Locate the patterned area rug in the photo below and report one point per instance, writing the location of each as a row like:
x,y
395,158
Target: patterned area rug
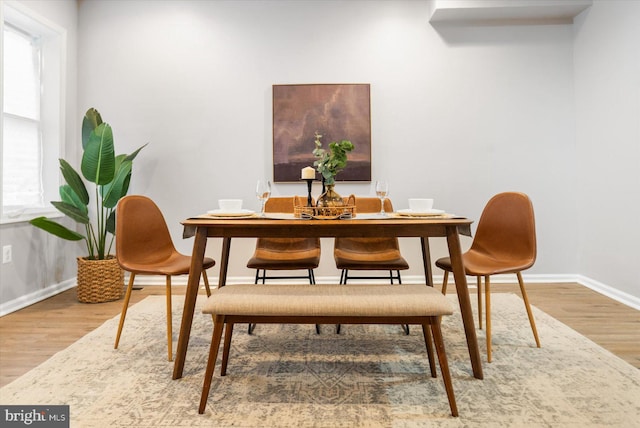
x,y
368,376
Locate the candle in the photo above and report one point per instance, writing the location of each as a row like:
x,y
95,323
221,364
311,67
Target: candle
x,y
308,173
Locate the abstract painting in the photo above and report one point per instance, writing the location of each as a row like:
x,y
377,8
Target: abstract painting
x,y
336,111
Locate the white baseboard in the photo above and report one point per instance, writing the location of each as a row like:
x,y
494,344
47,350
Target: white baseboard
x,y
622,297
609,291
52,290
36,296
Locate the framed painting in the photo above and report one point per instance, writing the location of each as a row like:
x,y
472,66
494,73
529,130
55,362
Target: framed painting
x,y
336,111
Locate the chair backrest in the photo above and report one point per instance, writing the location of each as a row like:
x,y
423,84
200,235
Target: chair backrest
x,y
279,204
506,229
142,235
369,204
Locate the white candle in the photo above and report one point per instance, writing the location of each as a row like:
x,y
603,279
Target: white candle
x,y
308,173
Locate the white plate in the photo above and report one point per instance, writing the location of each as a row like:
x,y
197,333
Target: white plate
x,y
220,213
409,212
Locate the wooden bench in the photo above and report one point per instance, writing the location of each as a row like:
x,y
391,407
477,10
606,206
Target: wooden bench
x,y
328,304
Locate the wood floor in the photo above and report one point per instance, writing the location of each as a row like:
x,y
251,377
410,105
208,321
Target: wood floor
x,y
32,335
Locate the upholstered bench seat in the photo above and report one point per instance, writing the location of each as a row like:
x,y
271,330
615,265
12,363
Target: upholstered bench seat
x,y
328,303
366,300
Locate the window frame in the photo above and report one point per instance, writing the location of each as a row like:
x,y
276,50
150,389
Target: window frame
x,y
52,106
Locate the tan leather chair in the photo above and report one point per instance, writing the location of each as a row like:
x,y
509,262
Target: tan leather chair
x,y
505,242
369,254
144,246
284,254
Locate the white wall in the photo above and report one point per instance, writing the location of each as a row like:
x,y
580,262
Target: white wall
x,y
458,113
607,82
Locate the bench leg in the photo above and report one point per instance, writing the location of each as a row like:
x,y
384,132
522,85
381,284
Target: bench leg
x,y
218,325
228,332
444,364
426,332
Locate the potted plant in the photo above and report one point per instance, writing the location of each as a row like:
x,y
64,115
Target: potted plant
x,y
329,164
100,278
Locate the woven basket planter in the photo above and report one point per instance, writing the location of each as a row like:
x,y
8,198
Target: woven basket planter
x,y
99,280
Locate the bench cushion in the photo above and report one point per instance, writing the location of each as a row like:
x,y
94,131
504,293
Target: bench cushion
x,y
365,300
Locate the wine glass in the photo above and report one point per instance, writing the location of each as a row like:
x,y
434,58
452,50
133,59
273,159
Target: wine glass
x,y
382,191
263,191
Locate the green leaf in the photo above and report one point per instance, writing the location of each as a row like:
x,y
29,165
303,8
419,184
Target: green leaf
x,y
98,160
111,223
90,122
133,155
115,190
74,180
56,229
70,197
71,212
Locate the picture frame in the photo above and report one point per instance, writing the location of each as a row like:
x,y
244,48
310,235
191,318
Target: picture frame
x,y
336,111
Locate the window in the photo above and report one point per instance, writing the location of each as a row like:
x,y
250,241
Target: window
x,y
32,119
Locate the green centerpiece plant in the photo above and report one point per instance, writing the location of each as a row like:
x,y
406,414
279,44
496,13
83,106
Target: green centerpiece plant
x,y
109,175
329,164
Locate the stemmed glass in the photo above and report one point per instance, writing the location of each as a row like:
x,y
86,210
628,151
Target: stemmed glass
x,y
263,191
382,191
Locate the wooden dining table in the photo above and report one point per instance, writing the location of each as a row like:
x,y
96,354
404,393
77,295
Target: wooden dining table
x,y
204,227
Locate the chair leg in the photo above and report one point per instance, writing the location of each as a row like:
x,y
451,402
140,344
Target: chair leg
x,y
343,281
206,282
487,296
124,309
211,362
312,281
169,321
343,278
444,364
405,327
251,326
479,282
528,306
444,282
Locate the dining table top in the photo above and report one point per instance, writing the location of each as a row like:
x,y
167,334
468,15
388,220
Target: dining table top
x,y
286,225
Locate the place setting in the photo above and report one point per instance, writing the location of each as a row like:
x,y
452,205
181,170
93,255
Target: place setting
x,y
421,208
229,209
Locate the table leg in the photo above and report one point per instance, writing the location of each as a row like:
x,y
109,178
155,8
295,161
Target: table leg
x,y
224,261
455,253
426,260
197,256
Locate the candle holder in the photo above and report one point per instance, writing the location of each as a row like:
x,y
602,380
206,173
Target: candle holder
x,y
309,181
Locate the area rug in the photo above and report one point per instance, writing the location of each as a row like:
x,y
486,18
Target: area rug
x,y
368,376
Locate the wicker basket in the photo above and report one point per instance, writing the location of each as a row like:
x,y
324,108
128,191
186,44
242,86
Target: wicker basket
x,y
324,212
99,280
300,208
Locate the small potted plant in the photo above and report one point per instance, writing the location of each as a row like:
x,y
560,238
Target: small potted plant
x,y
100,278
329,164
